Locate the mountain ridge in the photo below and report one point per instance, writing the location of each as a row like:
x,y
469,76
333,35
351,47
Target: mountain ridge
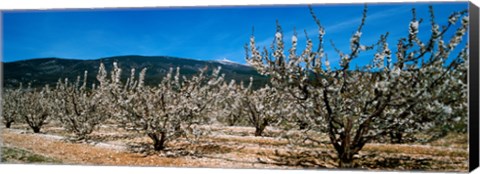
x,y
48,70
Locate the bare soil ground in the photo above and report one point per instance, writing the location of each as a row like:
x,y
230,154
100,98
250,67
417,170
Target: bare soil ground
x,y
229,147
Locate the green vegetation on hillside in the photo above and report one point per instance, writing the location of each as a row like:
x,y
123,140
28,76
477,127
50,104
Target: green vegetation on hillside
x,y
48,70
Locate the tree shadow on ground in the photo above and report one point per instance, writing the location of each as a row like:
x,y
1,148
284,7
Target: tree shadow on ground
x,y
305,159
328,159
405,162
180,149
110,137
397,162
210,151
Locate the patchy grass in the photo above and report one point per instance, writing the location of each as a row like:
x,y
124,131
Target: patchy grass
x,y
17,155
453,140
415,149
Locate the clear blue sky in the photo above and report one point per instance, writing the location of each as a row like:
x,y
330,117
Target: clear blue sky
x,y
206,33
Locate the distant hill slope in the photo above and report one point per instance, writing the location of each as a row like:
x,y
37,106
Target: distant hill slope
x,y
48,70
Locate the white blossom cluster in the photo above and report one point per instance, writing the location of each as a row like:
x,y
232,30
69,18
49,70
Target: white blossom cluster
x,y
400,98
164,112
28,105
241,104
11,106
79,109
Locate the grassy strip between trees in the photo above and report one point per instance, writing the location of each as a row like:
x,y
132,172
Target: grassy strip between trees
x,y
17,155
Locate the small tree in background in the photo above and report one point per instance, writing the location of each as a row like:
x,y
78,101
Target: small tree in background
x,y
259,108
262,107
79,109
36,107
166,112
229,110
404,95
11,105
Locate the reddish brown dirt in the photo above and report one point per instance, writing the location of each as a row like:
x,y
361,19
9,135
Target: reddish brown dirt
x,y
235,151
75,153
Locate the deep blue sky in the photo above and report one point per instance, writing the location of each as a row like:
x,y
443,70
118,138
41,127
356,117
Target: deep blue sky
x,y
207,33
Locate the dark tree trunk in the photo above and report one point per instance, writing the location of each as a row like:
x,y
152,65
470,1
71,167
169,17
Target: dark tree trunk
x,y
346,160
348,145
158,145
345,154
396,137
36,129
158,141
259,129
8,124
232,120
302,125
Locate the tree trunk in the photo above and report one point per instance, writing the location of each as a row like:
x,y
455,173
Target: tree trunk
x,y
259,129
36,129
159,145
232,120
8,124
396,137
302,125
158,142
346,160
